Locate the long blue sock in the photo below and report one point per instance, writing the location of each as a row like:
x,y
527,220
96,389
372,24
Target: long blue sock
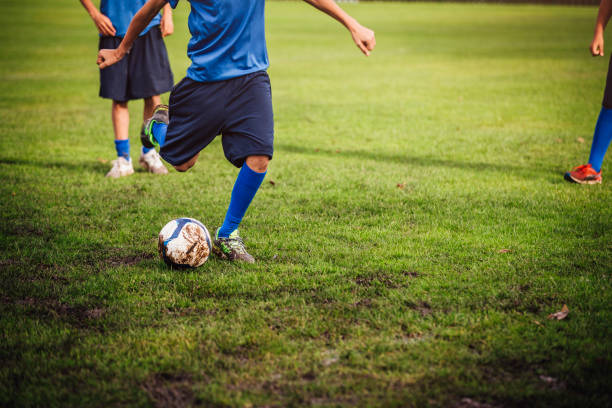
x,y
159,132
601,138
246,185
123,148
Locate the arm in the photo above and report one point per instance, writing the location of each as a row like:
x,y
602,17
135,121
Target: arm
x,y
167,25
603,16
103,23
140,21
363,37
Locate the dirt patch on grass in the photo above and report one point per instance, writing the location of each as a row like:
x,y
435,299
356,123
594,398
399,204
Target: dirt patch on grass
x,y
422,307
189,311
385,280
412,274
118,259
170,390
471,403
79,315
365,303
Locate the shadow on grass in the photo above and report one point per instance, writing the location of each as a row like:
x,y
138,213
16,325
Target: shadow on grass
x,y
91,166
406,158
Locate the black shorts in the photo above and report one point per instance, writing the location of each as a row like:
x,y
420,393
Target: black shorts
x,y
239,109
142,73
607,99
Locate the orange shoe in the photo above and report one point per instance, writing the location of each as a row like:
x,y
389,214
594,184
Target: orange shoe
x,y
584,174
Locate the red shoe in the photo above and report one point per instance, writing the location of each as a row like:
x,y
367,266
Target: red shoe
x,y
584,174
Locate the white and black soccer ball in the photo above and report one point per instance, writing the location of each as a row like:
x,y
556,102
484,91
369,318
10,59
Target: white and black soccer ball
x,y
184,242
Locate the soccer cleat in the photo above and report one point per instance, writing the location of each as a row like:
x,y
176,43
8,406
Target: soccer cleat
x,y
160,115
231,248
152,162
121,167
584,174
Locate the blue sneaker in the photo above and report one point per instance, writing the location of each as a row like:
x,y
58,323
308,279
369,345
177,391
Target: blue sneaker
x,y
160,115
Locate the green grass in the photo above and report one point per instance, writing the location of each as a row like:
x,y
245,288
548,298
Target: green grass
x,y
365,293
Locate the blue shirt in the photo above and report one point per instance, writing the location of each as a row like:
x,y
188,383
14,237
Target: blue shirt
x,y
121,13
227,39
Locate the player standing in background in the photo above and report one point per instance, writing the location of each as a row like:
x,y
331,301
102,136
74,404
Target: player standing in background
x,y
144,74
226,91
590,173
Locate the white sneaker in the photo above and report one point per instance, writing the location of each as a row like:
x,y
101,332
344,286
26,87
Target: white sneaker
x,y
152,162
121,167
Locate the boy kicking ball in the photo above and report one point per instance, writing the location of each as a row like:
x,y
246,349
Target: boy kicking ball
x,y
590,173
226,91
144,74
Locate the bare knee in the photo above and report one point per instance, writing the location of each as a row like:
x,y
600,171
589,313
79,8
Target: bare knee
x,y
183,167
118,105
258,163
187,165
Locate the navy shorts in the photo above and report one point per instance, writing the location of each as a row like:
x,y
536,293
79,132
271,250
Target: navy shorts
x,y
142,73
239,109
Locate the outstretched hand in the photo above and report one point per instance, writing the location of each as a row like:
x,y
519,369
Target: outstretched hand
x,y
364,38
167,25
107,58
597,45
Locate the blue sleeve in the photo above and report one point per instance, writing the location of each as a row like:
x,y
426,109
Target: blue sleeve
x,y
173,3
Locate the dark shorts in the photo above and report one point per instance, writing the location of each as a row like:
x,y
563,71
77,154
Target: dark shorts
x,y
142,73
607,99
239,109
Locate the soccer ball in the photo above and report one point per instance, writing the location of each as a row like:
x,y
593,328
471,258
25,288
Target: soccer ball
x,y
184,242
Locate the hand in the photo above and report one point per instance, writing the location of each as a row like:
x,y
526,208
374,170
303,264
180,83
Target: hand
x,y
107,58
104,25
167,25
597,45
364,38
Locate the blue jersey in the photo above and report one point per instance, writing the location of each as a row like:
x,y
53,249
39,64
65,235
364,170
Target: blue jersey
x,y
121,13
227,39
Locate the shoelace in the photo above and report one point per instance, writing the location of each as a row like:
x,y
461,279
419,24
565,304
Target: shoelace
x,y
236,243
582,169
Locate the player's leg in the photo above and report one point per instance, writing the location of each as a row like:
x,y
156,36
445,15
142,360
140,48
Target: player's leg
x,y
149,76
120,116
149,159
197,115
248,143
590,173
113,86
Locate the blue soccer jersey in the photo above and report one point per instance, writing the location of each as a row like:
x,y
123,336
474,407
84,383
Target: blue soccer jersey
x,y
227,39
121,12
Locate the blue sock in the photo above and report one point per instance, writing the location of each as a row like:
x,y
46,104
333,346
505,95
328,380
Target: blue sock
x,y
247,184
159,132
601,138
145,150
123,148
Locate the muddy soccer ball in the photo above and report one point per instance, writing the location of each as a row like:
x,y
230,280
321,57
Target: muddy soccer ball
x,y
184,242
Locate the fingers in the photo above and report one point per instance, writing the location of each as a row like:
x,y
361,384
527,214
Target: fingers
x,y
108,26
363,48
101,61
106,58
366,41
597,50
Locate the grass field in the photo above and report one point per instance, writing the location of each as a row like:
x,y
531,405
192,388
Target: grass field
x,y
413,233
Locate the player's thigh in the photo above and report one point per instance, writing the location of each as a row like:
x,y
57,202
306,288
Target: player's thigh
x,y
196,114
249,127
